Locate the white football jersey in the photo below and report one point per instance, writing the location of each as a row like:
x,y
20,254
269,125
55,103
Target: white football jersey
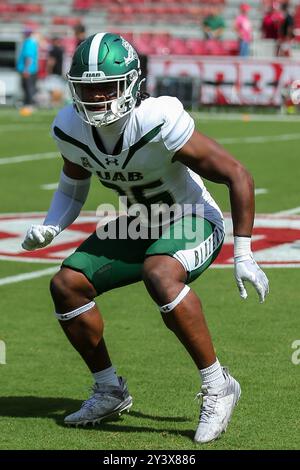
x,y
141,166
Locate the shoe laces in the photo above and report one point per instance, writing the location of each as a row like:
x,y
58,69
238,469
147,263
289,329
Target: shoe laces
x,y
209,402
97,394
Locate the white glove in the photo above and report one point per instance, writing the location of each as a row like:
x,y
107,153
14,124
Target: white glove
x,y
246,269
39,236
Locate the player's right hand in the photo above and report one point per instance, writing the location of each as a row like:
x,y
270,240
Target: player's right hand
x,y
39,236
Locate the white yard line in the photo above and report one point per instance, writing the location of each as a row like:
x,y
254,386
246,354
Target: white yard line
x,y
241,116
258,191
53,270
294,211
262,265
49,186
259,139
22,127
28,158
26,276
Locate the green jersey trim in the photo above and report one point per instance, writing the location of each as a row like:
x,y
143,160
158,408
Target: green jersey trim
x,y
61,135
141,143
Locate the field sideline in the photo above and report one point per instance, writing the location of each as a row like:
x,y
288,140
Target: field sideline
x,y
44,379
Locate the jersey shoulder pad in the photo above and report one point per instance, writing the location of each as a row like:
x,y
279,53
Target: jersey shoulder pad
x,y
178,124
67,122
154,112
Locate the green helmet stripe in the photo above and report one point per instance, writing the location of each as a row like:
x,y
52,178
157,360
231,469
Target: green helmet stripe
x,y
94,52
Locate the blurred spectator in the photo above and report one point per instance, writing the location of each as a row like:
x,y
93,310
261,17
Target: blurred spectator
x,y
27,66
80,33
214,24
271,22
286,32
55,58
243,28
55,83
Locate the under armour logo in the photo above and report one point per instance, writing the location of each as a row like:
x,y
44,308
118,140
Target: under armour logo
x,y
110,160
85,163
165,308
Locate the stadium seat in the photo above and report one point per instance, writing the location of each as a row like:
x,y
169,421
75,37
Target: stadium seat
x,y
177,46
213,47
195,46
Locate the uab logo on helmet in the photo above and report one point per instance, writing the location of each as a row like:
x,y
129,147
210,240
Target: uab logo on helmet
x,y
93,75
111,61
132,55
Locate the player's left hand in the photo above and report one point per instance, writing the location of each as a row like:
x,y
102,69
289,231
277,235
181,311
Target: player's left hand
x,y
246,269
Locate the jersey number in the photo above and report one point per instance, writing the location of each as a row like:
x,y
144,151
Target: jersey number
x,y
139,194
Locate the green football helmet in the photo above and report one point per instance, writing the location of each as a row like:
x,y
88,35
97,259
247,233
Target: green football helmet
x,y
104,78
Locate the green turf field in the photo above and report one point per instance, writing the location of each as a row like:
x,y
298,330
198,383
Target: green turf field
x,y
44,378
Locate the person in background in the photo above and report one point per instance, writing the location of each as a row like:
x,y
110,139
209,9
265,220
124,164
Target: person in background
x,y
271,22
80,33
243,28
55,82
27,66
286,32
55,58
214,24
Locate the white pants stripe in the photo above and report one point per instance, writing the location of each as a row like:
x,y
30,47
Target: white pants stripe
x,y
194,258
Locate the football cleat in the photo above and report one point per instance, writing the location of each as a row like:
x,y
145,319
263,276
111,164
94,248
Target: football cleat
x,y
106,401
217,407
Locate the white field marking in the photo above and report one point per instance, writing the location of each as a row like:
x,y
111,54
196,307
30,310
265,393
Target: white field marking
x,y
28,158
26,276
49,186
2,352
227,140
22,127
294,211
259,139
260,191
262,265
241,117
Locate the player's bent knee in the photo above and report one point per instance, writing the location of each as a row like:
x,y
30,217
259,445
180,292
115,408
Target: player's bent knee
x,y
162,273
153,277
162,285
67,284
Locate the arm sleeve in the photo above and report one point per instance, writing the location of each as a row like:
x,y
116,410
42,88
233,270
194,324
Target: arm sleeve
x,y
178,126
67,201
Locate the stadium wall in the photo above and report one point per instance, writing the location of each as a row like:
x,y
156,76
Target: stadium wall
x,y
221,81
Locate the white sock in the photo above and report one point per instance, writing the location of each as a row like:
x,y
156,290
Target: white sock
x,y
212,376
107,376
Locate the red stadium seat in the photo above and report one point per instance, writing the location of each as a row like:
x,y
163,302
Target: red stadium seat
x,y
177,46
195,46
213,47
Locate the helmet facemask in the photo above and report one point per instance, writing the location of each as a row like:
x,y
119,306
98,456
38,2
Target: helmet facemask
x,y
102,100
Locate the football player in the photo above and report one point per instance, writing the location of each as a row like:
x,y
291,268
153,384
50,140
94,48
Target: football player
x,y
148,150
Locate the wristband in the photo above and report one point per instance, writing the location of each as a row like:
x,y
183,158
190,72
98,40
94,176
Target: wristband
x,y
242,246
